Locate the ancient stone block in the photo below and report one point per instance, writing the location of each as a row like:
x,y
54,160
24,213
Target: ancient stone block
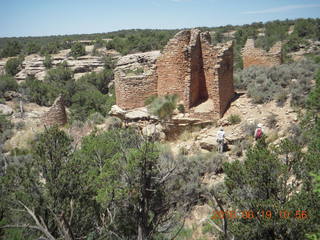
x,y
56,114
256,56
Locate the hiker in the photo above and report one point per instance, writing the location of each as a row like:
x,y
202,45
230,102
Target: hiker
x,y
220,139
258,132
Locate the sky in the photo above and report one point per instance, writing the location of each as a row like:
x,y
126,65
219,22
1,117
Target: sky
x,y
59,17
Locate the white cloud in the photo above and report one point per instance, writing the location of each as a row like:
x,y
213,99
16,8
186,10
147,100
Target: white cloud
x,y
282,9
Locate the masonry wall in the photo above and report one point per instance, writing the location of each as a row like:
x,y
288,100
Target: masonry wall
x,y
218,69
173,68
209,55
131,92
134,87
225,76
255,56
198,91
199,73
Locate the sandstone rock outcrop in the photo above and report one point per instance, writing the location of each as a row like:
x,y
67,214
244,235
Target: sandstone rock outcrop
x,y
189,66
256,56
2,65
57,113
33,64
5,110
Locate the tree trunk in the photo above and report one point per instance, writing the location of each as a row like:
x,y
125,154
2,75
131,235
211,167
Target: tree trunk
x,y
140,233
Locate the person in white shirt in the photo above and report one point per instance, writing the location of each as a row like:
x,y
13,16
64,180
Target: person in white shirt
x,y
220,139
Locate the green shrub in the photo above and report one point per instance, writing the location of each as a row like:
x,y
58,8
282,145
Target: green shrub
x,y
96,118
100,80
11,49
181,108
234,119
271,120
7,83
20,125
150,99
108,63
5,128
47,62
265,84
40,92
163,107
87,102
77,50
50,48
13,65
59,75
249,128
281,97
113,122
32,47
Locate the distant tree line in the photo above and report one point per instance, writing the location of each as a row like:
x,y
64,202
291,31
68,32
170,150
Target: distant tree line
x,y
138,40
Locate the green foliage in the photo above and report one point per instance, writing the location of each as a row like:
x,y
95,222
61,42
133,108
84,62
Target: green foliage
x,y
312,102
59,75
11,49
40,92
50,48
100,80
13,65
50,184
87,102
307,28
150,99
234,119
5,129
96,118
260,183
47,62
139,40
266,84
32,47
181,108
163,107
77,50
86,97
274,31
61,80
7,83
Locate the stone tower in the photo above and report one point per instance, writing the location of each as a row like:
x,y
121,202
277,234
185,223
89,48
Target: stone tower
x,y
57,113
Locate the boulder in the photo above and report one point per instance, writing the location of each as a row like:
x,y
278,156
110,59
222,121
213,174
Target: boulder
x,y
154,131
131,115
137,114
9,95
117,111
5,110
208,143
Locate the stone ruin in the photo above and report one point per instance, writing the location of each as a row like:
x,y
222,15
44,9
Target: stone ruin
x,y
57,113
200,74
256,56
